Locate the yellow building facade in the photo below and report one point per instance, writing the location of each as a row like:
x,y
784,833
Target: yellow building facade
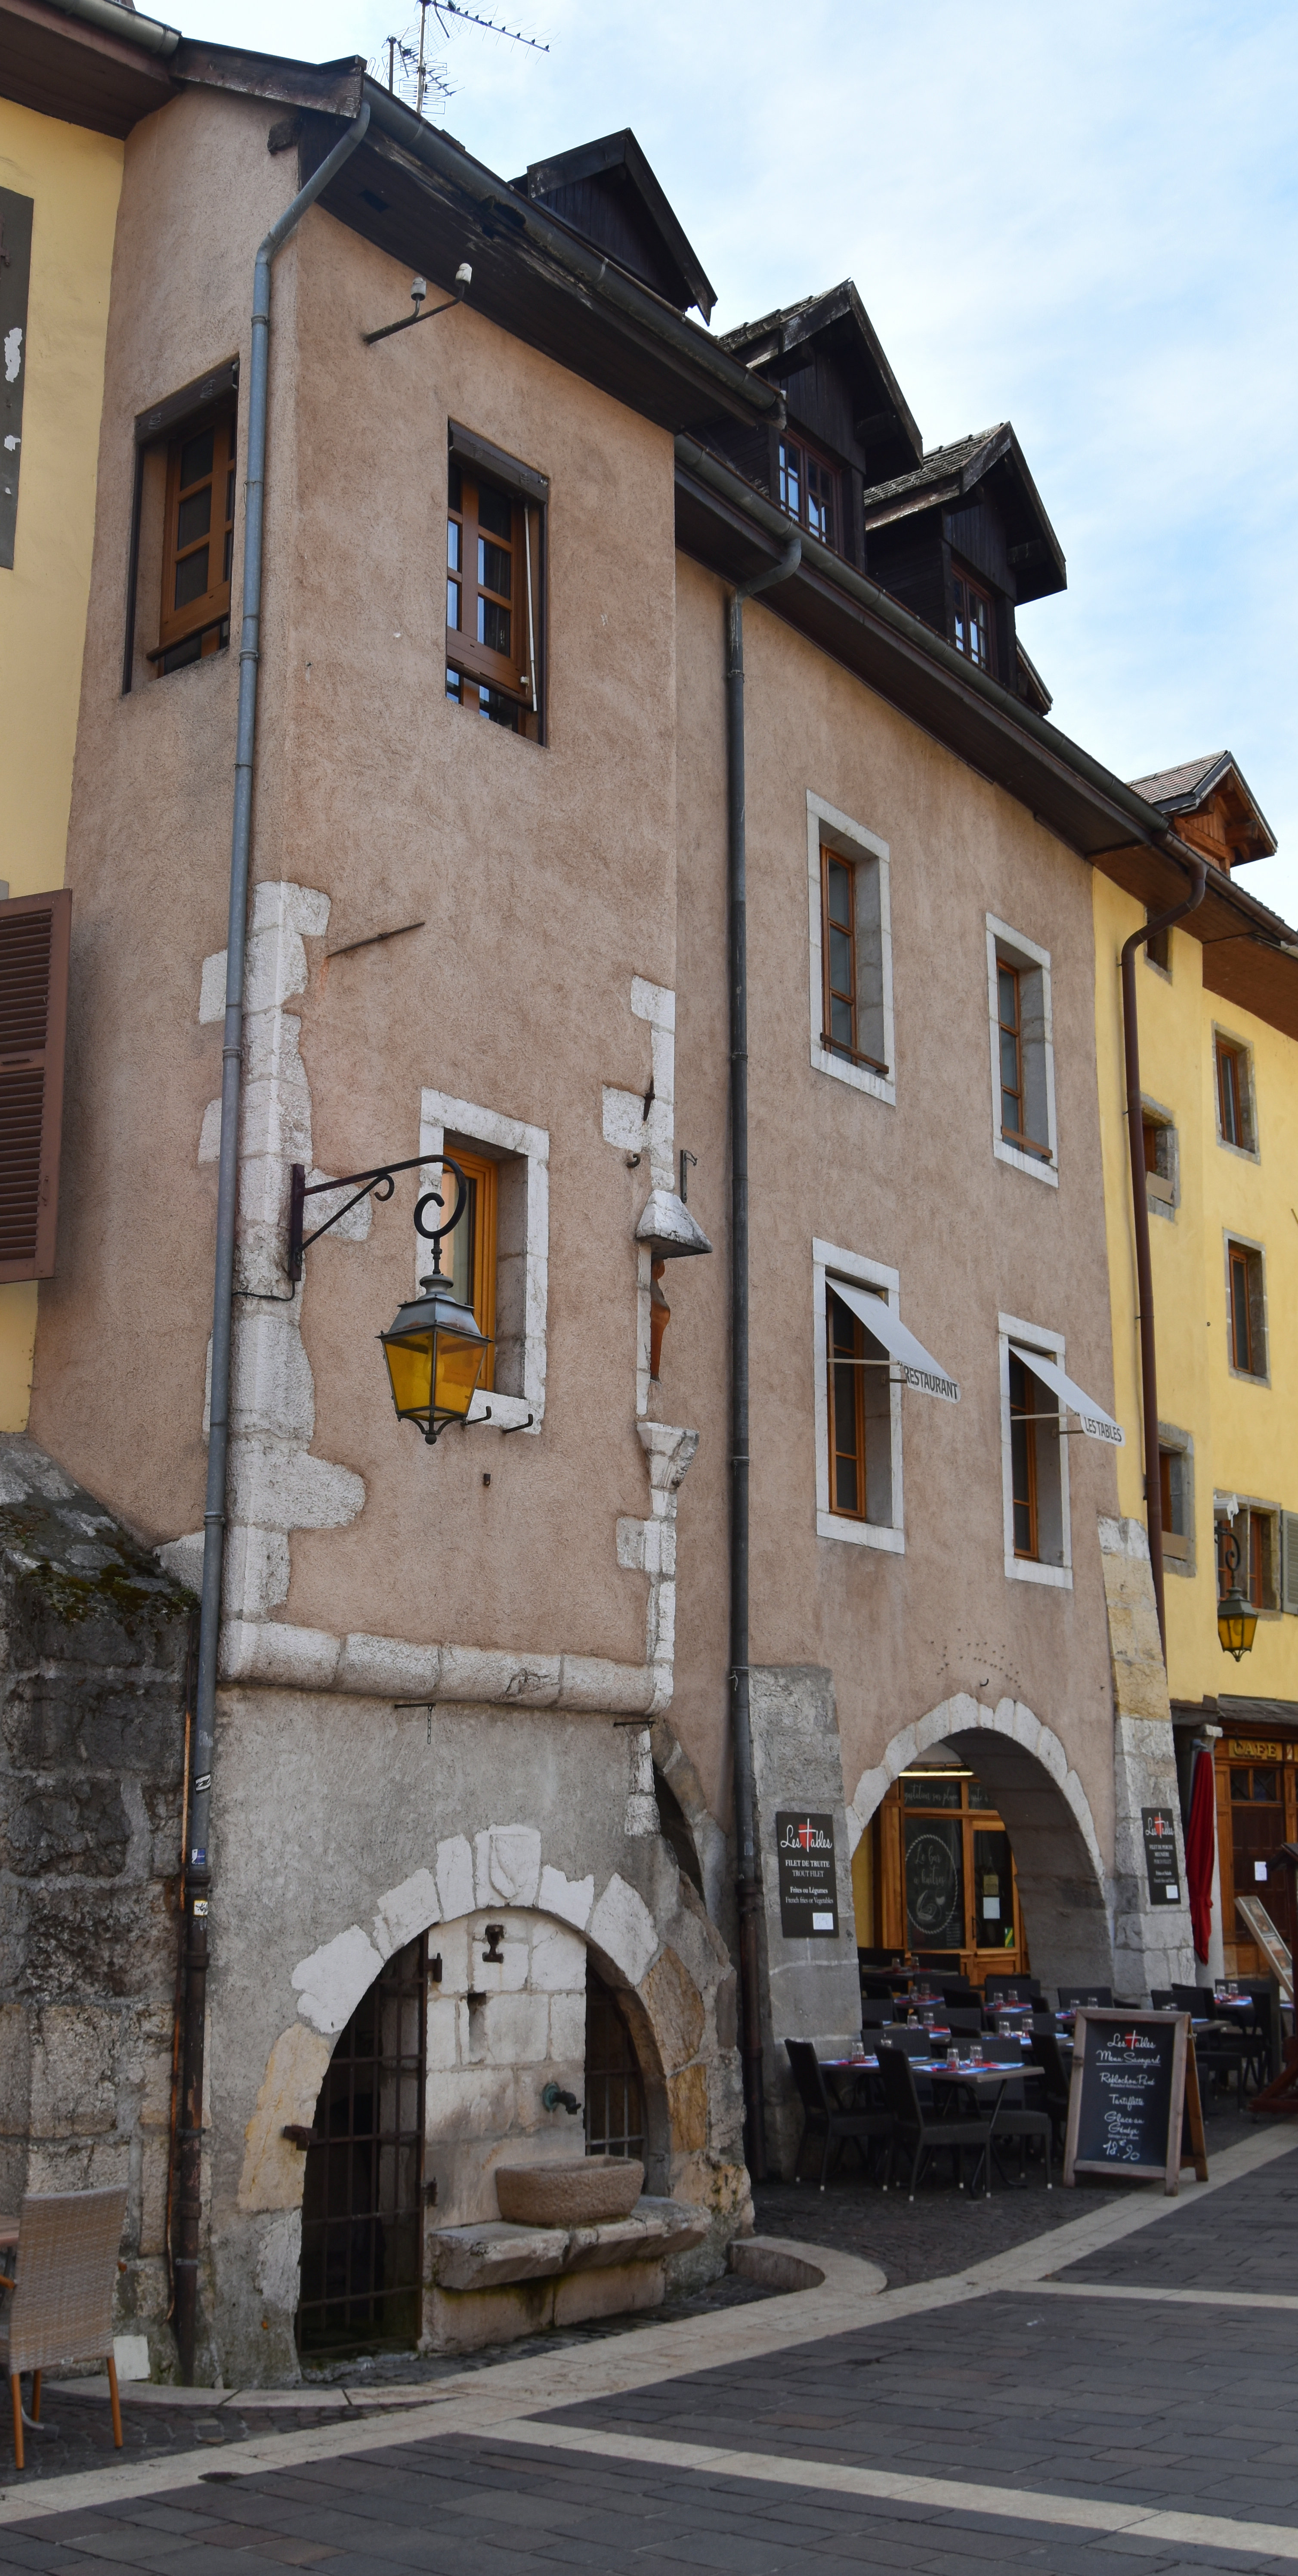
x,y
69,93
1219,1093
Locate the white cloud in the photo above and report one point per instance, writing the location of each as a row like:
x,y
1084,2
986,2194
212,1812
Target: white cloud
x,y
1079,218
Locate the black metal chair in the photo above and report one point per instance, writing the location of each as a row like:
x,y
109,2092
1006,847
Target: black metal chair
x,y
1100,1996
1221,2048
1017,2117
1012,1990
876,2012
823,2117
921,2135
1262,2032
964,2018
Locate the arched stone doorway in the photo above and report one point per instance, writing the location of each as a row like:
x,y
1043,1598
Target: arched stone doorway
x,y
1061,1875
363,2186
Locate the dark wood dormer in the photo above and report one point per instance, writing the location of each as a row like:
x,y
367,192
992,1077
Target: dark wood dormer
x,y
958,535
607,192
1213,808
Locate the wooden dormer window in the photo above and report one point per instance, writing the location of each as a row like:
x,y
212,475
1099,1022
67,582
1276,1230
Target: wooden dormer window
x,y
974,627
809,489
198,545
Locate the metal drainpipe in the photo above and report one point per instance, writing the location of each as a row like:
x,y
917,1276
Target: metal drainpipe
x,y
198,1877
1140,1213
749,1884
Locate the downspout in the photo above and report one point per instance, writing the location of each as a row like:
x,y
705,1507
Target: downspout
x,y
749,1883
198,1876
1140,1215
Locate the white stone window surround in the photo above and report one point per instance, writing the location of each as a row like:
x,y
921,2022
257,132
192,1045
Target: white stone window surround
x,y
1016,950
828,1261
825,825
1024,1569
437,1112
1239,1046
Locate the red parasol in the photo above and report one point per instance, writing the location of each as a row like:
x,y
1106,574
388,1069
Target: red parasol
x,y
1200,1849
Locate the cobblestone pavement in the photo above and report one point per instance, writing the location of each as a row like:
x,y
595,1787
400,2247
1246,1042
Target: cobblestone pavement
x,y
1137,2406
941,2230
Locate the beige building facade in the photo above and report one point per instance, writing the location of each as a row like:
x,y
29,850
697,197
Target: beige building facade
x,y
472,1790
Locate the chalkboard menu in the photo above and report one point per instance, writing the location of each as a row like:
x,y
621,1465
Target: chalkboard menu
x,y
1135,2088
1162,1869
804,1847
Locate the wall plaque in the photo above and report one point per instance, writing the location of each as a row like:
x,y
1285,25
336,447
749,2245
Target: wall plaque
x,y
1162,1869
804,1846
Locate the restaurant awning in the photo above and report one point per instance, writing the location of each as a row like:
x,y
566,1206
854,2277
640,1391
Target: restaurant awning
x,y
917,1367
1095,1422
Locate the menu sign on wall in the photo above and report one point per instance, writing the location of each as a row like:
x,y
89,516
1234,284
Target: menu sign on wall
x,y
804,1848
1135,2086
1162,1869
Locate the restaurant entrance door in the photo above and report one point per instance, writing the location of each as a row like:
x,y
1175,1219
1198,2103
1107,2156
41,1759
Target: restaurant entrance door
x,y
1257,1811
945,1878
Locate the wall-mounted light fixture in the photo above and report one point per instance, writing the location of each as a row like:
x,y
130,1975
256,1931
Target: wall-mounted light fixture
x,y
418,290
1236,1616
434,1350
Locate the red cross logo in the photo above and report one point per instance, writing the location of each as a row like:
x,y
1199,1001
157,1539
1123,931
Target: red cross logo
x,y
804,1835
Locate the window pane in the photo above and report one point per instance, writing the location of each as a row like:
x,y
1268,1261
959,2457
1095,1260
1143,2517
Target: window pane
x,y
498,709
1265,1790
840,894
840,961
1007,996
494,568
495,513
934,1870
790,479
993,1891
1240,1340
961,635
452,684
1239,1782
194,517
191,578
493,626
840,1022
197,457
1010,1061
453,603
454,535
930,1793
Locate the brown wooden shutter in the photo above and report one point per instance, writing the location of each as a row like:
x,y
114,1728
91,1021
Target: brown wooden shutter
x,y
34,939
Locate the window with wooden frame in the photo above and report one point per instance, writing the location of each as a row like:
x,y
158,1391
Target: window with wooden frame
x,y
973,626
470,1253
809,489
1016,1110
1174,1494
1256,1532
1246,1303
35,932
860,1418
1159,1137
845,1005
1023,1458
492,600
198,545
1235,1096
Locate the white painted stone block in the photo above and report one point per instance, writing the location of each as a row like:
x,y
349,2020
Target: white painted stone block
x,y
1003,1717
209,1134
901,1753
572,1898
183,1558
624,1929
568,2029
329,1984
211,997
516,2029
131,2356
653,1002
1027,1728
405,1911
473,2100
278,2259
870,1791
442,2048
558,1961
452,1947
455,1877
508,1865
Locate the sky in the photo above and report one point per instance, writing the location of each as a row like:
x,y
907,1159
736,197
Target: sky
x,y
1083,219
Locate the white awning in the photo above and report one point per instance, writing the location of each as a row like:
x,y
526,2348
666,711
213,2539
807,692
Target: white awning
x,y
1095,1422
917,1368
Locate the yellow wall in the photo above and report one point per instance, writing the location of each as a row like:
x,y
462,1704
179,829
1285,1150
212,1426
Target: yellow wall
x,y
74,178
1244,1434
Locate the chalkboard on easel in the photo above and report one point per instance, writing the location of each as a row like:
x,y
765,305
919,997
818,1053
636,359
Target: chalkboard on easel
x,y
1133,2106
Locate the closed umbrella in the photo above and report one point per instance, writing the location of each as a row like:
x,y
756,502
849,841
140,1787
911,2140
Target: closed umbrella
x,y
1200,1849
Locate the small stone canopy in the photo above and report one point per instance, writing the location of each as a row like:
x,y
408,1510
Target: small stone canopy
x,y
94,1645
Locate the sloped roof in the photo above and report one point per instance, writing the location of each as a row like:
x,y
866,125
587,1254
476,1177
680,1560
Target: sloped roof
x,y
608,193
952,474
1188,787
839,316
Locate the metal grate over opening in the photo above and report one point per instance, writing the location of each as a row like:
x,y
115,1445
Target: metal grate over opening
x,y
614,2092
362,2203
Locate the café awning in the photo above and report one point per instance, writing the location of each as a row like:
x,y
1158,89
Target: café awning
x,y
1094,1421
916,1365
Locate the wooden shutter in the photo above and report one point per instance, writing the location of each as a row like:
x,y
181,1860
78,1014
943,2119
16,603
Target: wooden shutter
x,y
1289,1559
34,938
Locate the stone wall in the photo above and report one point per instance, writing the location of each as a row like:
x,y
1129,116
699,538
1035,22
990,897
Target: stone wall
x,y
93,1650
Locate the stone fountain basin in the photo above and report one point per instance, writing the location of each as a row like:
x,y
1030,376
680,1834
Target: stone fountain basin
x,y
582,2194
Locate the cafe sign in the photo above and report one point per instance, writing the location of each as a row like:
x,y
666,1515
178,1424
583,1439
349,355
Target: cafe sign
x,y
1162,1871
804,1851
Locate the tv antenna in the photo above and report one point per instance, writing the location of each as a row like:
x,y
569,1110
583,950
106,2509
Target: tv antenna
x,y
414,76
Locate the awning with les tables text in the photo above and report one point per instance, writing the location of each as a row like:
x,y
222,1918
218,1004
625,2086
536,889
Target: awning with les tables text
x,y
1094,1421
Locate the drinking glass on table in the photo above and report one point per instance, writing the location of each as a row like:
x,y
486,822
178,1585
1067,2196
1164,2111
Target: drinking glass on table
x,y
953,2055
975,2052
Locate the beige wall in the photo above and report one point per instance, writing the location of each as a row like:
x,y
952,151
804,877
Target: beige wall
x,y
916,1187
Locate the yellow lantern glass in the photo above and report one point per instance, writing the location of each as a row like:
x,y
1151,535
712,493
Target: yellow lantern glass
x,y
1236,1624
435,1355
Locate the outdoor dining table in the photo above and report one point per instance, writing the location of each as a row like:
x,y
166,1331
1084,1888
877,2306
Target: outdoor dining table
x,y
937,2071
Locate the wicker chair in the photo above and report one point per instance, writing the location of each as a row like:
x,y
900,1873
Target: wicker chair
x,y
60,2308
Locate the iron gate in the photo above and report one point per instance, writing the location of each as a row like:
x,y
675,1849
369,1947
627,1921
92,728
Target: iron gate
x,y
362,2203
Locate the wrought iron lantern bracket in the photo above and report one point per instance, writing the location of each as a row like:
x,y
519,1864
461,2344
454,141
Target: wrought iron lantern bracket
x,y
379,1182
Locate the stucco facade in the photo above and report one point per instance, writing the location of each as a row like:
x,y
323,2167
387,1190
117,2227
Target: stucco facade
x,y
490,1678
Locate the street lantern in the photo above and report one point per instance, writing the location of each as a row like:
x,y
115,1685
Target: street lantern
x,y
1236,1616
435,1350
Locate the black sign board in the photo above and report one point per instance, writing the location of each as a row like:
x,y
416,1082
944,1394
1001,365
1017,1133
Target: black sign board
x,y
1134,2085
1162,1869
804,1846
